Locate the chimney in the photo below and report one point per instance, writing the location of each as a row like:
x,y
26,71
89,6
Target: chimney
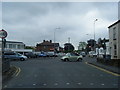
x,y
43,40
50,41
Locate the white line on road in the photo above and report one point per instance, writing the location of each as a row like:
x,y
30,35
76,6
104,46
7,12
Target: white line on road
x,y
91,83
44,84
79,83
34,84
68,83
102,84
56,84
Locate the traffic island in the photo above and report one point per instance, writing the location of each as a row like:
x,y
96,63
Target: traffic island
x,y
8,74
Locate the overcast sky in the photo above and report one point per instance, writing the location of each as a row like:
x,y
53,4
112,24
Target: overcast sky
x,y
33,22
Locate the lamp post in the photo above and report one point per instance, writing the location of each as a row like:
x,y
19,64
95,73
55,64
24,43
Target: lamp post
x,y
94,31
54,37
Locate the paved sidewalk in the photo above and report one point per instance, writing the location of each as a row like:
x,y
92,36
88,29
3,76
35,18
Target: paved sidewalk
x,y
9,74
107,67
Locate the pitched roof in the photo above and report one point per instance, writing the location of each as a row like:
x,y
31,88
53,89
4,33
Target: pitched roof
x,y
114,24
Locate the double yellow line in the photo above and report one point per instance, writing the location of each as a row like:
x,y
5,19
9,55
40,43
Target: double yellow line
x,y
17,71
115,74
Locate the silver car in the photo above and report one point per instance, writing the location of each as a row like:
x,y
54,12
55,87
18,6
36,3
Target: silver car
x,y
72,57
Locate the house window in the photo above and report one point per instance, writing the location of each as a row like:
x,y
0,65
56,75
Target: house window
x,y
10,45
115,52
115,47
14,46
114,33
18,46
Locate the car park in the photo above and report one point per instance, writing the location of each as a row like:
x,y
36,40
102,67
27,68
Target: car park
x,y
30,55
72,57
14,56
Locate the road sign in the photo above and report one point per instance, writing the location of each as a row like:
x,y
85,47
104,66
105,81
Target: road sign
x,y
3,34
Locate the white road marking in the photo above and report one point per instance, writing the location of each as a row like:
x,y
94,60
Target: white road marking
x,y
34,84
56,84
102,84
79,83
44,84
68,83
91,83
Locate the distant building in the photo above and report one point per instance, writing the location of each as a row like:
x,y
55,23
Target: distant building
x,y
114,40
15,46
47,46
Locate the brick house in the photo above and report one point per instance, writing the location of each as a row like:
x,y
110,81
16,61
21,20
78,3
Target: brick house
x,y
47,46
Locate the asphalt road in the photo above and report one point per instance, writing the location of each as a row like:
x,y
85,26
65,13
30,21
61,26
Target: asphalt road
x,y
54,73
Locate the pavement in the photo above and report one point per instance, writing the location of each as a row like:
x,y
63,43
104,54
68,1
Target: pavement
x,y
113,69
7,75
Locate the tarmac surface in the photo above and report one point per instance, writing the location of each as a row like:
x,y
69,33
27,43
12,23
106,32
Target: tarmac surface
x,y
54,73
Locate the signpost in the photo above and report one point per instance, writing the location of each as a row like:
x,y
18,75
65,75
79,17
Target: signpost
x,y
3,35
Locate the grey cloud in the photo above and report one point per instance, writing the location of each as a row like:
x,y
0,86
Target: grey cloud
x,y
33,22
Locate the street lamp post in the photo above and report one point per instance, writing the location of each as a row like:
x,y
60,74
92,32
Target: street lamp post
x,y
54,37
94,32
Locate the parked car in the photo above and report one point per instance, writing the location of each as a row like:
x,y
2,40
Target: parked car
x,y
92,54
51,54
83,54
72,57
30,55
14,56
42,54
61,54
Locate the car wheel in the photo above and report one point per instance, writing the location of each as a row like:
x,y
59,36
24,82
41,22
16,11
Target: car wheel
x,y
66,59
22,59
79,59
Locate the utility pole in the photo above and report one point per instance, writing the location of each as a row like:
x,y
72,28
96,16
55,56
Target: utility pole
x,y
94,34
55,37
68,39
